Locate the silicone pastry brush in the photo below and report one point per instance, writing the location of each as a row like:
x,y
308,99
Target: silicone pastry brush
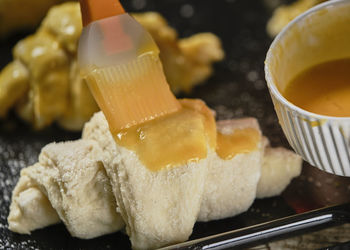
x,y
120,62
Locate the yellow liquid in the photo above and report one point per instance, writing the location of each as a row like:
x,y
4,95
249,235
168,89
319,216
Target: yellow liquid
x,y
323,89
172,140
241,141
183,137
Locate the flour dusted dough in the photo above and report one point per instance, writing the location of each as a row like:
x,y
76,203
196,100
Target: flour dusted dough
x,y
79,183
159,208
70,176
231,184
279,167
30,209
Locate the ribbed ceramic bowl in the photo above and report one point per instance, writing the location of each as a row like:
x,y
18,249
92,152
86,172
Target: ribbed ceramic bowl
x,y
321,34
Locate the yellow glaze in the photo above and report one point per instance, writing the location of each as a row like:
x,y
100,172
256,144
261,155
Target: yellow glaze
x,y
239,142
174,139
209,121
322,89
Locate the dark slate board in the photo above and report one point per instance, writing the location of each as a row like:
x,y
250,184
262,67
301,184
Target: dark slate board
x,y
237,89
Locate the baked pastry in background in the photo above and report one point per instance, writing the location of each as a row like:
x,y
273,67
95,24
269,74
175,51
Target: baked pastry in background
x,y
43,84
22,14
283,14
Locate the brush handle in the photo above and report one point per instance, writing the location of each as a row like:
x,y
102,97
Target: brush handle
x,y
93,10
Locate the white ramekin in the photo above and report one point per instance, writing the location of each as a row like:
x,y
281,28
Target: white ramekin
x,y
321,34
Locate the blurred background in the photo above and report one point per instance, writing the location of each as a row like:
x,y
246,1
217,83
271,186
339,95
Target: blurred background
x,y
234,87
